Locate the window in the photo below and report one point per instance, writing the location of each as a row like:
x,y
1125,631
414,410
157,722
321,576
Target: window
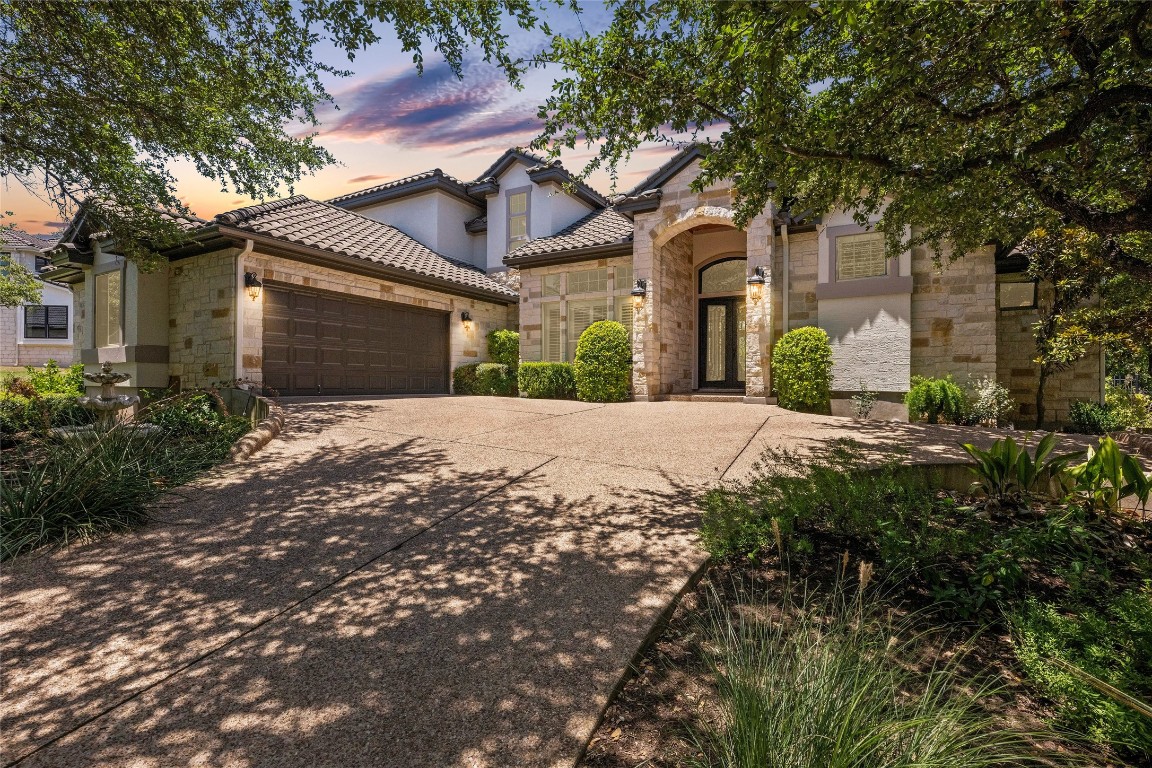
x,y
45,322
860,256
517,219
625,311
624,278
727,276
582,314
588,281
109,331
553,285
553,337
1018,295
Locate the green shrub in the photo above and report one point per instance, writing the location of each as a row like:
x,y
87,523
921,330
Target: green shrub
x,y
1109,475
1069,654
23,413
802,370
188,414
988,403
1007,472
495,379
464,379
835,684
932,398
1088,418
53,379
603,368
504,347
1129,409
74,487
553,381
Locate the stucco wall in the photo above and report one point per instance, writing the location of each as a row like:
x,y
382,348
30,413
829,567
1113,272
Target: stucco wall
x,y
1016,370
869,337
435,219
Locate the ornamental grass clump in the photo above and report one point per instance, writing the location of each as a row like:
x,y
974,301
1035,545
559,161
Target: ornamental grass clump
x,y
839,683
802,370
64,488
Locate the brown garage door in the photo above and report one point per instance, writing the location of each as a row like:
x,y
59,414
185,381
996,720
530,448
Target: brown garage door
x,y
317,342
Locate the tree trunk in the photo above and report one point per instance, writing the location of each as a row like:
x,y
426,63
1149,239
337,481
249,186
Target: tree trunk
x,y
1043,379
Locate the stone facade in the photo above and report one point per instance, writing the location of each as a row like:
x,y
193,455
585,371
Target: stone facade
x,y
1017,370
954,315
202,318
17,353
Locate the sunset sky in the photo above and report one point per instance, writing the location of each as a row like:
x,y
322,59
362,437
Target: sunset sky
x,y
392,122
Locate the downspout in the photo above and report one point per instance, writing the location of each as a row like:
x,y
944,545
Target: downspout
x,y
787,273
238,308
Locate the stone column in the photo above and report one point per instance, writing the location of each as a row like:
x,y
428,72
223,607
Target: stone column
x,y
645,343
758,330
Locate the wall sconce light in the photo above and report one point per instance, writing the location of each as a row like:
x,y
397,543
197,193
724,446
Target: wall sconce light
x,y
466,318
756,284
253,285
639,291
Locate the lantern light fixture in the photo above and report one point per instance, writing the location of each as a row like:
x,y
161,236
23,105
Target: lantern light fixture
x,y
466,318
639,290
756,284
253,285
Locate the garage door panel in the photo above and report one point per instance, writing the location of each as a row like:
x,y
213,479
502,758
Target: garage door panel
x,y
323,343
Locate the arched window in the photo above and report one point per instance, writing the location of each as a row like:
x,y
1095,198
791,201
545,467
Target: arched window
x,y
725,276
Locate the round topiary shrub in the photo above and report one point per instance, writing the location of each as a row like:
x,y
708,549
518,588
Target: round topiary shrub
x,y
603,367
802,370
504,347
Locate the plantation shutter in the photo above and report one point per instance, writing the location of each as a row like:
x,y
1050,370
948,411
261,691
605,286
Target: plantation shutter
x,y
57,322
35,322
625,312
553,338
582,314
859,256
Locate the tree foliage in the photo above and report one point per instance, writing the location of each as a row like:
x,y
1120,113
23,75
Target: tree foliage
x,y
109,94
972,122
17,284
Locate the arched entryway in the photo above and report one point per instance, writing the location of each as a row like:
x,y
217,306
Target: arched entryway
x,y
722,305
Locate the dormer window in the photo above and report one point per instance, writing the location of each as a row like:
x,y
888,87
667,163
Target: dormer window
x,y
517,217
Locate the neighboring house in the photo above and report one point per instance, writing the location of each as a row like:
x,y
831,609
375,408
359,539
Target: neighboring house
x,y
33,334
385,290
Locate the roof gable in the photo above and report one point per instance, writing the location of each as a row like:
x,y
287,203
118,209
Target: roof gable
x,y
324,227
669,170
427,181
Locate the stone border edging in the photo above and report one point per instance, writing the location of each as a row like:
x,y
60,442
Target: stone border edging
x,y
266,429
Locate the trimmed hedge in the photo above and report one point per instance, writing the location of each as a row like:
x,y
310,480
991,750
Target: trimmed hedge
x,y
552,381
464,379
603,367
802,370
495,379
504,347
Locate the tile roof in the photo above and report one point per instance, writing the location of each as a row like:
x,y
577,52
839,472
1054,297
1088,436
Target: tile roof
x,y
325,227
397,183
602,227
185,221
15,238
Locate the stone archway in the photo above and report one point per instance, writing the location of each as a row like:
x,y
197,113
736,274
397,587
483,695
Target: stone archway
x,y
690,219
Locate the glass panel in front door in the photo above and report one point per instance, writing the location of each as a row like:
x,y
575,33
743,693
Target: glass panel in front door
x,y
715,336
741,338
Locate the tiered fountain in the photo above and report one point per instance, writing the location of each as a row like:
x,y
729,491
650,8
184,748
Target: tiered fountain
x,y
106,404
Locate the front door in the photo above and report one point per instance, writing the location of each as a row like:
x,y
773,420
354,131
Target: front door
x,y
722,339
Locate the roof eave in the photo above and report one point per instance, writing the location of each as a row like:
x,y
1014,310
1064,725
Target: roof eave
x,y
634,205
345,263
556,174
475,228
604,251
418,187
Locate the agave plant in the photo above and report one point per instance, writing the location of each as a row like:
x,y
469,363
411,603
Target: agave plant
x,y
1007,472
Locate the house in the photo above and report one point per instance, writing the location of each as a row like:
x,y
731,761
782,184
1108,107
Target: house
x,y
33,334
386,290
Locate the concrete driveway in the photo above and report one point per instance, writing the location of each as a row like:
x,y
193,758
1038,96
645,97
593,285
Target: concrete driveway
x,y
393,582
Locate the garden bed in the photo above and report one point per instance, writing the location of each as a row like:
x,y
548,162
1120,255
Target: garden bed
x,y
1043,596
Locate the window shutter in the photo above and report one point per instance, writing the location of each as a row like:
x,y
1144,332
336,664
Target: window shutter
x,y
553,338
35,322
859,256
58,322
625,312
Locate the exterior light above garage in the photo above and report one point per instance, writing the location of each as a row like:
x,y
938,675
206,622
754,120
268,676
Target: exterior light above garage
x,y
466,318
756,284
253,285
639,291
